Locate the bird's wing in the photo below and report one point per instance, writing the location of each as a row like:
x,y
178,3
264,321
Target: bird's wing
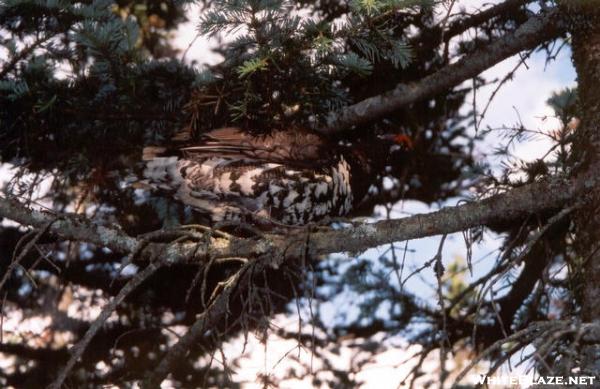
x,y
292,148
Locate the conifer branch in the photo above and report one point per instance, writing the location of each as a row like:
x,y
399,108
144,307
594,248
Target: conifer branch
x,y
463,24
530,34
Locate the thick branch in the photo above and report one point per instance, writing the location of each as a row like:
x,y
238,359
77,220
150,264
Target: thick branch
x,y
517,203
463,24
75,228
535,31
68,226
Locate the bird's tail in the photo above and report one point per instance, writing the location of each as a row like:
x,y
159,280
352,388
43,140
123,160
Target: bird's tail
x,y
162,173
151,152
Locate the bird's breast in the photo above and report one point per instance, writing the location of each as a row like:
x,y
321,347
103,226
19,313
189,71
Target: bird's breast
x,y
229,189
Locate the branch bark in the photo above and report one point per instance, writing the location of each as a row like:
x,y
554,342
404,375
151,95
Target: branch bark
x,y
585,27
461,25
511,205
530,34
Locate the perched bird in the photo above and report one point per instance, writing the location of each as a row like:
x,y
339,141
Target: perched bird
x,y
290,177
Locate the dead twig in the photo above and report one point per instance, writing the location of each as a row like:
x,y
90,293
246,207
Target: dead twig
x,y
78,349
35,236
207,319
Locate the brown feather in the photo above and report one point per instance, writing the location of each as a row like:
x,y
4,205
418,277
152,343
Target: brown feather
x,y
294,148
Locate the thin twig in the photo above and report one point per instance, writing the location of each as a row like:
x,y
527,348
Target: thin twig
x,y
439,273
78,349
524,335
28,246
206,319
2,318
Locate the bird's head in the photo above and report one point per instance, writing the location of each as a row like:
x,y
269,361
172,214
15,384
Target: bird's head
x,y
397,142
374,153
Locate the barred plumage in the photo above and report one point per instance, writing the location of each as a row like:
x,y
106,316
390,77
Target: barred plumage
x,y
292,177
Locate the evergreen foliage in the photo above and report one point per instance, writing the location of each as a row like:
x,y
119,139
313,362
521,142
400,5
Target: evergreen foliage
x,y
274,47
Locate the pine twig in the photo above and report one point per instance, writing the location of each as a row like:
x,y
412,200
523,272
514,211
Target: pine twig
x,y
78,349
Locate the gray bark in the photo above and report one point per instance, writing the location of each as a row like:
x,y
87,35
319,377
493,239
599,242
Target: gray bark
x,y
584,19
513,205
532,33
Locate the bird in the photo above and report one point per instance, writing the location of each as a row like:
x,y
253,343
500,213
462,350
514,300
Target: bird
x,y
289,177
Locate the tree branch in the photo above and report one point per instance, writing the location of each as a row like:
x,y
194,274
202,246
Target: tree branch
x,y
78,349
273,249
536,30
75,228
207,319
463,24
8,67
514,204
68,226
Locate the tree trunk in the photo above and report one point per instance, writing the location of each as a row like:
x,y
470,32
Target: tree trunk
x,y
584,19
